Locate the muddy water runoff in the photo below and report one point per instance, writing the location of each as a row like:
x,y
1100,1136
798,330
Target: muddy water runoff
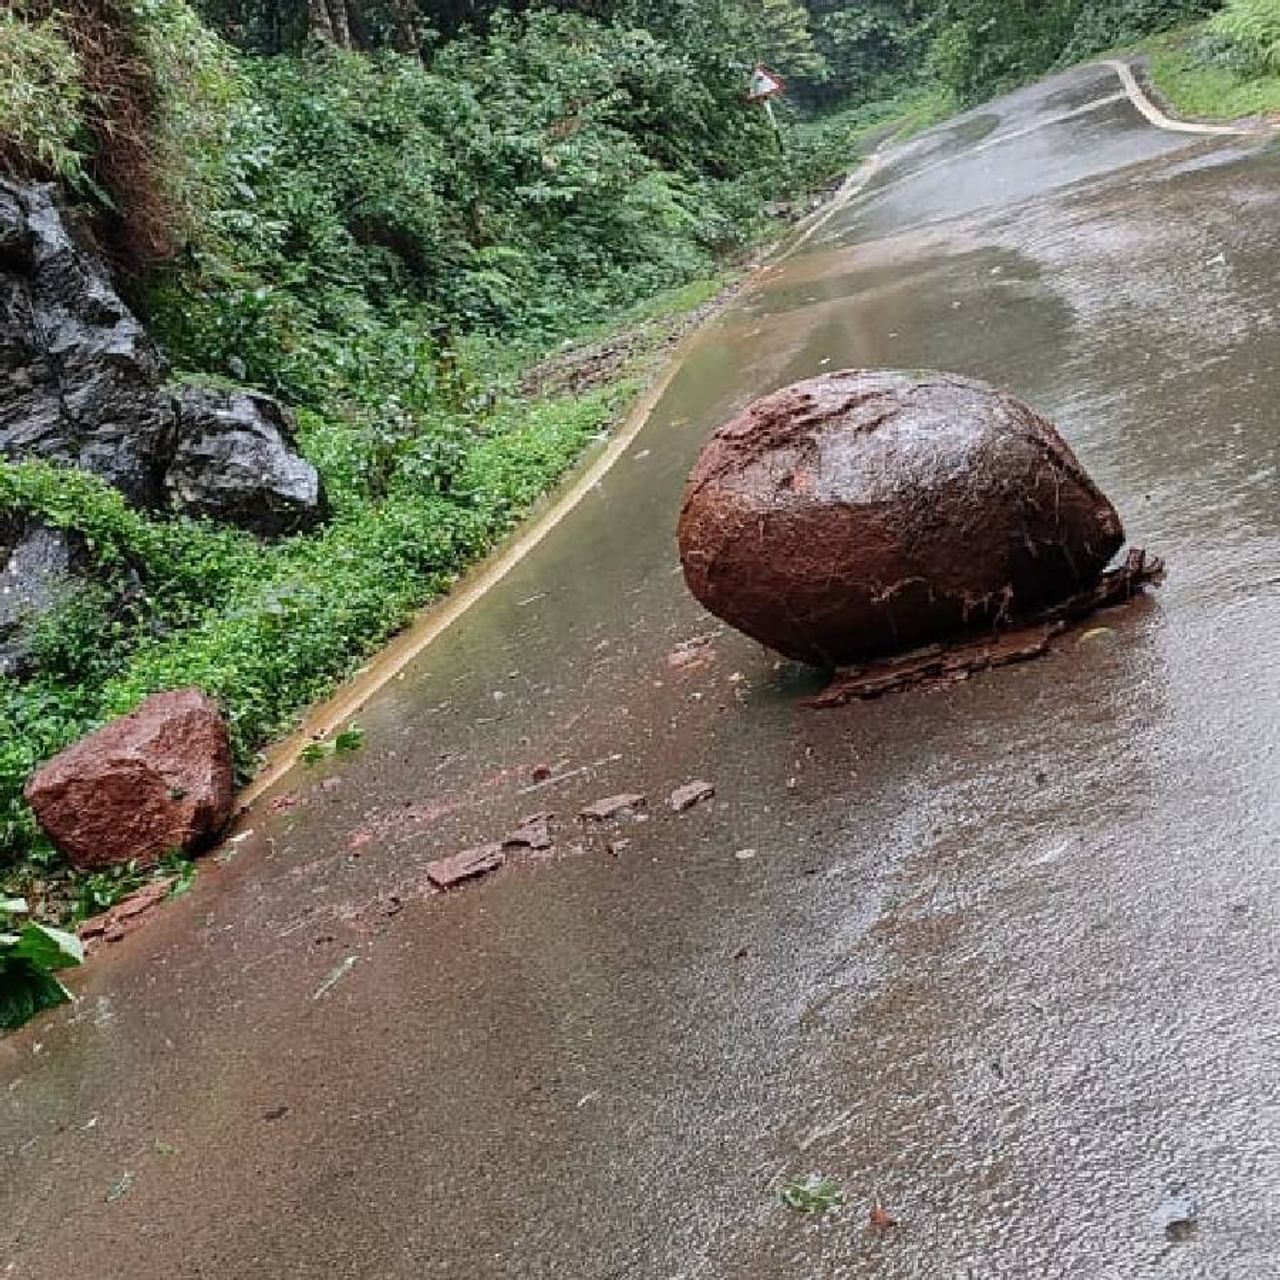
x,y
1005,959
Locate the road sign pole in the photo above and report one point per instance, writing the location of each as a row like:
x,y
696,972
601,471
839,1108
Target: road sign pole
x,y
777,128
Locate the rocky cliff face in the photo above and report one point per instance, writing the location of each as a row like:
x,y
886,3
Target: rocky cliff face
x,y
81,384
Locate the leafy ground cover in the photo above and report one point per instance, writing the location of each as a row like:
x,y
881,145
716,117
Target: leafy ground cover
x,y
1206,73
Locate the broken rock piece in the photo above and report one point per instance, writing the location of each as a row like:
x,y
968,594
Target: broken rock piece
x,y
613,807
871,512
534,832
127,915
683,798
467,865
940,665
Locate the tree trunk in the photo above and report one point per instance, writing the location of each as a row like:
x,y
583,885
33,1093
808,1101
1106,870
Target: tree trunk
x,y
341,21
319,23
406,34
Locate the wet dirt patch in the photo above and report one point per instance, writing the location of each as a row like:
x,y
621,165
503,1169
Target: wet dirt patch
x,y
593,365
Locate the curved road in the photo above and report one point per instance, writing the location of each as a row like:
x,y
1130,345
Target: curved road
x,y
1004,958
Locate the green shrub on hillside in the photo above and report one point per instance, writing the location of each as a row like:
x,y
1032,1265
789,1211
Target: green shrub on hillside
x,y
982,46
1252,26
40,98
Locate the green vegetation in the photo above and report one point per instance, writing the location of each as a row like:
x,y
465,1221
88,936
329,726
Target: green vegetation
x,y
387,212
40,95
812,1193
1253,28
344,742
1226,69
31,955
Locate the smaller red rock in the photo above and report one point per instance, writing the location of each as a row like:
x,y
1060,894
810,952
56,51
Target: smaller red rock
x,y
691,793
881,1219
612,807
467,865
150,782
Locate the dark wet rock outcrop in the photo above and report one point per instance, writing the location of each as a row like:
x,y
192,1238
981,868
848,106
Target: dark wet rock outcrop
x,y
153,781
233,462
79,378
82,384
867,512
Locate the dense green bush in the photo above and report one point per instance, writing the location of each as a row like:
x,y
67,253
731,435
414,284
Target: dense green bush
x,y
40,97
1253,27
526,183
982,46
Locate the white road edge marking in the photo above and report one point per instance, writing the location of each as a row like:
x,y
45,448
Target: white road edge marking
x,y
1155,116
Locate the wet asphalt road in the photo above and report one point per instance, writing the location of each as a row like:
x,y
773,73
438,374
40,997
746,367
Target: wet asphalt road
x,y
1006,958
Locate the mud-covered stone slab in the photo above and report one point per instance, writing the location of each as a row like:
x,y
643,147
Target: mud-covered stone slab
x,y
534,832
871,512
612,807
692,793
467,865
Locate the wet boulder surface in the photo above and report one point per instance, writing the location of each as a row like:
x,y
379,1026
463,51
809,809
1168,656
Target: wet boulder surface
x,y
157,780
82,384
864,513
78,373
234,462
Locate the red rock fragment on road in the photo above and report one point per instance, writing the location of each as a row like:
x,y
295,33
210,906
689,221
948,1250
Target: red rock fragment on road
x,y
534,832
612,807
941,665
683,798
150,782
127,915
467,865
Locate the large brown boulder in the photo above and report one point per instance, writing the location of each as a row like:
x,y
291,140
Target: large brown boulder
x,y
156,780
867,512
